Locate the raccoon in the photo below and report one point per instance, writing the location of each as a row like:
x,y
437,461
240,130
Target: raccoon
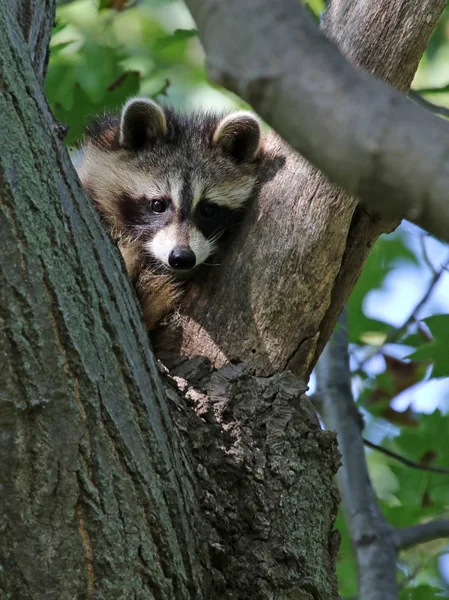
x,y
168,186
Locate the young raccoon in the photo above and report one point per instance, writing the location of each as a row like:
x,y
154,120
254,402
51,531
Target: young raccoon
x,y
168,186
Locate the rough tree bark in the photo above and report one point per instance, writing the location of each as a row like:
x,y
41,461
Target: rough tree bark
x,y
86,447
102,496
304,244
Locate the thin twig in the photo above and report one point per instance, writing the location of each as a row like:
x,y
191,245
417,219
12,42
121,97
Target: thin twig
x,y
395,334
392,177
404,460
443,89
422,240
441,111
318,403
436,276
419,534
371,535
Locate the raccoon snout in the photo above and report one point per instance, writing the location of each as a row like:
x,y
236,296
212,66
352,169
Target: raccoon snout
x,y
182,257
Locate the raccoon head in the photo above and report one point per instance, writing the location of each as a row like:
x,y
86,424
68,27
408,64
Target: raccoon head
x,y
171,183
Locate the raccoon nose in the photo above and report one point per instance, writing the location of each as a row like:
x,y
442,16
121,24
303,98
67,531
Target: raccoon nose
x,y
182,257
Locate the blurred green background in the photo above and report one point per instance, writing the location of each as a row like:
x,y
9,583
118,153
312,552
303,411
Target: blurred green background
x,y
102,53
101,56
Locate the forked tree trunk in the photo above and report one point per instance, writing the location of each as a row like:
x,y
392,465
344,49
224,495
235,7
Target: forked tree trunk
x,y
276,298
104,494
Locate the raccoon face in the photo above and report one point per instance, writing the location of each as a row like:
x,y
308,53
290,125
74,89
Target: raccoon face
x,y
170,183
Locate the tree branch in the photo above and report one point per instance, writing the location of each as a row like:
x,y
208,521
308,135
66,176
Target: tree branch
x,y
371,535
318,403
444,89
441,111
405,461
396,333
384,149
419,534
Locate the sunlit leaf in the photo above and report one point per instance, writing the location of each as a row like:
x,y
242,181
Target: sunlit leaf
x,y
317,6
83,109
373,338
180,35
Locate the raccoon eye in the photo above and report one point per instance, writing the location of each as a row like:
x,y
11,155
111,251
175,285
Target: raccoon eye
x,y
158,206
207,210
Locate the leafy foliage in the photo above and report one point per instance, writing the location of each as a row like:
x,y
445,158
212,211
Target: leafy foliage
x,y
395,358
101,56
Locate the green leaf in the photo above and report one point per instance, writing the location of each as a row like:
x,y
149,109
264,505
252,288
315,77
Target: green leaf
x,y
417,339
384,481
436,351
426,445
83,109
317,6
421,592
401,515
58,47
179,36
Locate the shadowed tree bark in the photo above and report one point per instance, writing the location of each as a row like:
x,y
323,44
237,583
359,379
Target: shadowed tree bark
x,y
104,495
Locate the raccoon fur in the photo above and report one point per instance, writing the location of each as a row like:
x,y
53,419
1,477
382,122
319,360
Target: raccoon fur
x,y
168,186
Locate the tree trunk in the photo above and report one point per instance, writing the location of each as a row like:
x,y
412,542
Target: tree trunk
x,y
92,487
104,494
275,299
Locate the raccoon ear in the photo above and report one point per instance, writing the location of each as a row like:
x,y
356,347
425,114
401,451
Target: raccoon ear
x,y
142,121
239,134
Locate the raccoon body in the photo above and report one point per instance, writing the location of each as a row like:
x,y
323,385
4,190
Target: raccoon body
x,y
168,187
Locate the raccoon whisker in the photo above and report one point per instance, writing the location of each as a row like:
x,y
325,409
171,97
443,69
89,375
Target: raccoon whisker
x,y
133,240
212,253
139,230
215,238
156,265
209,264
213,248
